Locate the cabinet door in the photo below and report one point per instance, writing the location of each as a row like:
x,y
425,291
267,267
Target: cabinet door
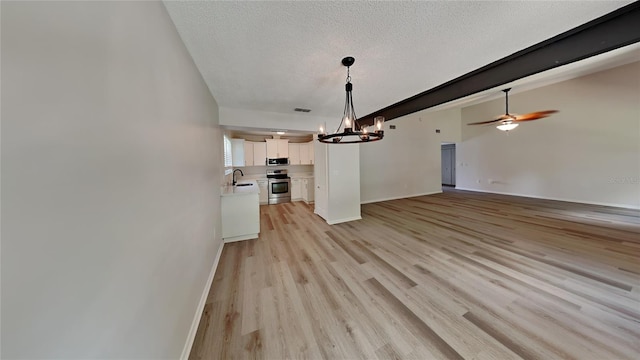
x,y
304,154
311,154
296,189
240,217
248,153
310,191
237,152
283,148
259,153
264,191
305,189
277,148
294,154
272,148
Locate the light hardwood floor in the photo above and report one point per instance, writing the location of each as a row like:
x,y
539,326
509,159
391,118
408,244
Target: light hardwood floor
x,y
458,275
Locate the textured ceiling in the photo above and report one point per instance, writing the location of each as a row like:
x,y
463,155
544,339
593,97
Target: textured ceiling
x,y
277,56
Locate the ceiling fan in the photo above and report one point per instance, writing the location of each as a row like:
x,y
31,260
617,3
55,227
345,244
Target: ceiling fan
x,y
510,121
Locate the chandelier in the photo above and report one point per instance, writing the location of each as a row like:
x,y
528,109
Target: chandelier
x,y
350,130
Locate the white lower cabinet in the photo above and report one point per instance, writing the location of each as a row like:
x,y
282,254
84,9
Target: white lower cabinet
x,y
307,190
264,191
240,217
296,189
302,189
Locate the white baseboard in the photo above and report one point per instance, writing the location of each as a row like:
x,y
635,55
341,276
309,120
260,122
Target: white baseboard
x,y
203,300
624,206
338,221
241,237
400,197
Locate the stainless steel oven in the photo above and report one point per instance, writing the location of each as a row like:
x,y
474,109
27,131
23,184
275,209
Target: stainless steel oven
x,y
279,186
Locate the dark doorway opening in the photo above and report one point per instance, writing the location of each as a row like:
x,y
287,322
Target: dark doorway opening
x,y
448,163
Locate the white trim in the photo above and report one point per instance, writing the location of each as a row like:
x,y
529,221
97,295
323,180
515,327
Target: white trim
x,y
624,206
203,300
337,221
240,238
400,197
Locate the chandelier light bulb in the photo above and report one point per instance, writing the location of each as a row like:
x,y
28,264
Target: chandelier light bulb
x,y
379,120
365,135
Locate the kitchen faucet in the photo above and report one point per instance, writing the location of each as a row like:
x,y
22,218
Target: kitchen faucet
x,y
234,175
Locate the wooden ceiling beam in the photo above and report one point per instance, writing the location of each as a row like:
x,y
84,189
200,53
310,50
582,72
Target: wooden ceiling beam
x,y
609,32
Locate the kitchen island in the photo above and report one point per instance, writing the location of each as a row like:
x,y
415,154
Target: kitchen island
x,y
240,211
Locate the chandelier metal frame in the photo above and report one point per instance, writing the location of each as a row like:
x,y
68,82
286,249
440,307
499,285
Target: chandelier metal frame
x,y
352,131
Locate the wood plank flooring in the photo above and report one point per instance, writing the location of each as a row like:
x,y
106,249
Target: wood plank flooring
x,y
457,275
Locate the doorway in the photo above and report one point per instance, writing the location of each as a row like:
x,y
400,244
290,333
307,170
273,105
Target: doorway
x,y
448,163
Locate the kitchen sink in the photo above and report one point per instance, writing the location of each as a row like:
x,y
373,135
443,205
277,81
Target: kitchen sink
x,y
244,184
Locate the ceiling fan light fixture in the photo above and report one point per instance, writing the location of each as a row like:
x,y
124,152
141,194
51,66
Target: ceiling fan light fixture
x,y
350,131
507,126
510,121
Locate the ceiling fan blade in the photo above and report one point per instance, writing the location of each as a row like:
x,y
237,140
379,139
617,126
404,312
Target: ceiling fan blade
x,y
484,122
535,115
499,118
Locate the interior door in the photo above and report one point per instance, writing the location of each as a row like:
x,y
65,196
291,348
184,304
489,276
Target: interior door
x,y
448,162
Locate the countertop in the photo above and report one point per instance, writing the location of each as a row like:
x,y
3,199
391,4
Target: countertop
x,y
231,190
253,177
301,175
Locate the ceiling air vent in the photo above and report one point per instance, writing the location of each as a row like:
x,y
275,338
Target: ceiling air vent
x,y
301,110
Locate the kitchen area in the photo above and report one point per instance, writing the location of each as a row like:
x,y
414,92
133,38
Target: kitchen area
x,y
267,170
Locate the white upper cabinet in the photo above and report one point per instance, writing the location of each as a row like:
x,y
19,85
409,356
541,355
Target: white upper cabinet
x,y
248,153
277,148
294,153
306,154
259,153
237,152
252,153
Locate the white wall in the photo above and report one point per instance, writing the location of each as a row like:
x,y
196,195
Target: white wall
x,y
337,182
343,183
272,120
406,162
110,182
588,152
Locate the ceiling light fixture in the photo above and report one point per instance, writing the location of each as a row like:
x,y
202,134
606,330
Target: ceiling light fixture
x,y
508,121
507,125
350,131
280,132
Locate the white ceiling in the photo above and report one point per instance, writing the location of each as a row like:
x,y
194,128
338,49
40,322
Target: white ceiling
x,y
276,56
